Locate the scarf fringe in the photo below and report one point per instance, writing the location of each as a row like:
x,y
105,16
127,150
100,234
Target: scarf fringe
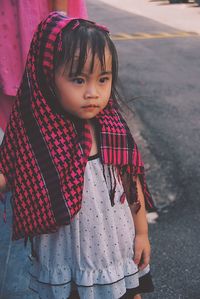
x,y
125,176
149,203
129,182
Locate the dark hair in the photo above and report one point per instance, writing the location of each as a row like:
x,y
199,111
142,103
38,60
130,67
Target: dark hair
x,y
78,36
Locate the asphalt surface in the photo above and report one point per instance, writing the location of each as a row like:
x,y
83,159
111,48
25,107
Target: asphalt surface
x,y
182,16
163,76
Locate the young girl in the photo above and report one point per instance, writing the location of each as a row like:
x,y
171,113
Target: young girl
x,y
79,190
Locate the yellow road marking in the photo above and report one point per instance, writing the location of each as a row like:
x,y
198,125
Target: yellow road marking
x,y
160,35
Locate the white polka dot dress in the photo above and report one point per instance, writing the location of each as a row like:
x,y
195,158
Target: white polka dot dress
x,y
94,254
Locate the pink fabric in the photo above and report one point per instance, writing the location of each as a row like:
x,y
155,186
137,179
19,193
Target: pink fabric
x,y
77,9
19,20
17,24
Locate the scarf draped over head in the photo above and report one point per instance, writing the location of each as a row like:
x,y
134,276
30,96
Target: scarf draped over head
x,y
44,153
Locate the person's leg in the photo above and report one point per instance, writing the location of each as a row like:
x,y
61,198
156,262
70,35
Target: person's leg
x,y
137,297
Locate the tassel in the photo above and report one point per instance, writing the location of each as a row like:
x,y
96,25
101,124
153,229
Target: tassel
x,y
113,182
136,206
60,45
134,200
123,197
112,176
104,175
129,183
133,191
112,197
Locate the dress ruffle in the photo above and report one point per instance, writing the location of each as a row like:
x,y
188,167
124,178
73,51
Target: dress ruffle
x,y
106,283
63,275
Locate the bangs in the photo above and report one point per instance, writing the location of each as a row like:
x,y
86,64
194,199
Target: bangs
x,y
77,42
87,42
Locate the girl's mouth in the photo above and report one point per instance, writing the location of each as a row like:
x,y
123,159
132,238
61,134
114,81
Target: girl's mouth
x,y
89,106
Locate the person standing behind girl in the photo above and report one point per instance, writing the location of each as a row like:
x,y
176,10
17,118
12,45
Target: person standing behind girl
x,y
78,182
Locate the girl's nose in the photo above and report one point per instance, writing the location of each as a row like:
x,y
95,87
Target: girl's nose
x,y
91,92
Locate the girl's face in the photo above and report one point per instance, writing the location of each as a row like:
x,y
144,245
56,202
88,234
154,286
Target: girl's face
x,y
86,94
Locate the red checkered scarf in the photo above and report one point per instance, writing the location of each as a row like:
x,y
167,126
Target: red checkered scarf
x,y
43,154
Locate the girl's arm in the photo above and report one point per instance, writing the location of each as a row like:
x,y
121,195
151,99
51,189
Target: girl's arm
x,y
2,183
141,244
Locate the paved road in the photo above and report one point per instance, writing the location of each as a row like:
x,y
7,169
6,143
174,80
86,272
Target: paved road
x,y
182,16
165,74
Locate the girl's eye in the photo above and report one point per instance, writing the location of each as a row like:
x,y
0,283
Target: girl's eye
x,y
78,80
104,79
